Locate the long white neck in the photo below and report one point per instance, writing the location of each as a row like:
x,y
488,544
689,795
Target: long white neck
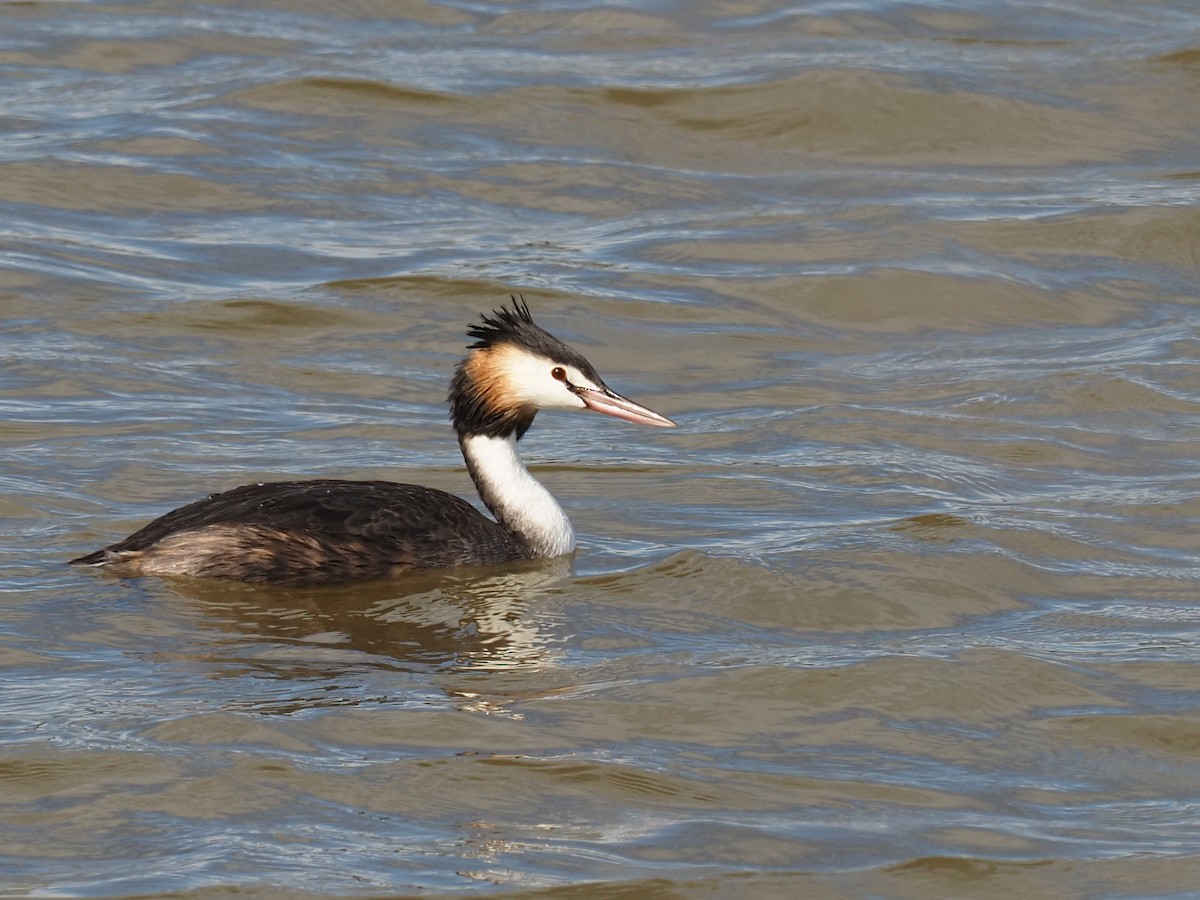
x,y
515,497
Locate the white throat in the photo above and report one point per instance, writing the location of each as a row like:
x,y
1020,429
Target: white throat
x,y
515,497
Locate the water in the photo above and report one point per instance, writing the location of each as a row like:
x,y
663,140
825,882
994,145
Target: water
x,y
905,607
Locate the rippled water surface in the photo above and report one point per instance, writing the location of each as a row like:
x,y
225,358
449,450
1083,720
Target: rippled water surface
x,y
906,607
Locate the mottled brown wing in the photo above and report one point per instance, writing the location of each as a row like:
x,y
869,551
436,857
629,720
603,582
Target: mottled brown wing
x,y
380,524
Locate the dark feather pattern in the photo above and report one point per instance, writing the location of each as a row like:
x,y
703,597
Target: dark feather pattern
x,y
323,530
502,325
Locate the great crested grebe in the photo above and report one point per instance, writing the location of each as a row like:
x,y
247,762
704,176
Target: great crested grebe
x,y
306,532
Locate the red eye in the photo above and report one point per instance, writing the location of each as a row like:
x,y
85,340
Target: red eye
x,y
558,373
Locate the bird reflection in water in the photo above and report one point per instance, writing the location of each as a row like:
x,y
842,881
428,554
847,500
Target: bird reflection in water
x,y
438,622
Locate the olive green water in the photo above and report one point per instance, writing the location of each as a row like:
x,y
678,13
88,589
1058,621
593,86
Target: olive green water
x,y
906,607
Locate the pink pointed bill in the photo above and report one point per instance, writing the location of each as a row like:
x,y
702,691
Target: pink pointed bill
x,y
612,404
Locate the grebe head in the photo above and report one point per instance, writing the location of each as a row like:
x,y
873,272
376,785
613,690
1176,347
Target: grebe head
x,y
515,368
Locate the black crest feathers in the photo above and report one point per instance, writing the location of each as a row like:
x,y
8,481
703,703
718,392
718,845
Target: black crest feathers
x,y
503,324
481,402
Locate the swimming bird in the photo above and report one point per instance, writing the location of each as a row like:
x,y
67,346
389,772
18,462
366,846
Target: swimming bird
x,y
325,530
